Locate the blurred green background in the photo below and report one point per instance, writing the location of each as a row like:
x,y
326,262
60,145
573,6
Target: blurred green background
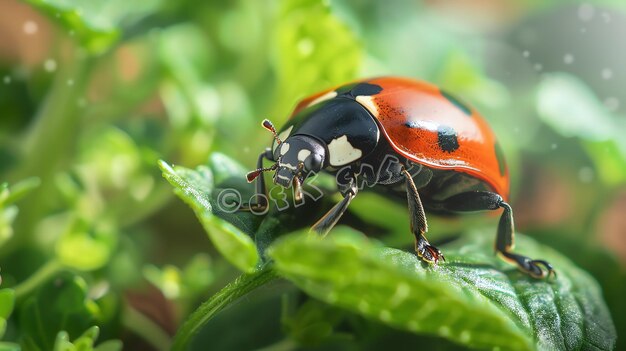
x,y
93,93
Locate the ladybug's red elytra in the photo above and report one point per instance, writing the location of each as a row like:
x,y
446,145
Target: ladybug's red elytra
x,y
429,145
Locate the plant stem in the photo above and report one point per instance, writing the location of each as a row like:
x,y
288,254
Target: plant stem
x,y
49,141
45,272
144,327
230,293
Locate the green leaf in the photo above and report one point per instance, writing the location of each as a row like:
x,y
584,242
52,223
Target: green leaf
x,y
86,246
9,346
313,322
184,53
96,24
175,283
110,345
587,119
85,342
8,210
474,299
10,195
7,302
59,305
195,188
306,60
609,161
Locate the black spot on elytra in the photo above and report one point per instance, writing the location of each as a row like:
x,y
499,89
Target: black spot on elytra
x,y
411,124
359,89
366,89
456,102
447,139
500,158
346,89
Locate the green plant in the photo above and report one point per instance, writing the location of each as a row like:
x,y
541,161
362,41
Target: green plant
x,y
474,299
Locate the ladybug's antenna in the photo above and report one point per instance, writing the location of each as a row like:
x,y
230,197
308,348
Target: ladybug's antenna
x,y
251,176
269,126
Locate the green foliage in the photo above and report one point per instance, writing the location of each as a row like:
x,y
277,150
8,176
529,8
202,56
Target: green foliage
x,y
195,188
177,283
85,342
8,211
96,24
588,120
62,305
79,249
473,299
393,287
304,61
7,302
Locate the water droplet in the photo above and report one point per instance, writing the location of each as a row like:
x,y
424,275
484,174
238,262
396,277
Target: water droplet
x,y
526,53
607,73
586,174
611,103
30,27
583,30
70,82
586,12
465,336
568,59
50,65
606,17
554,146
538,66
6,80
306,46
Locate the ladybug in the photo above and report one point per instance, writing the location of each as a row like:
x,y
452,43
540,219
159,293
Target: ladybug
x,y
406,138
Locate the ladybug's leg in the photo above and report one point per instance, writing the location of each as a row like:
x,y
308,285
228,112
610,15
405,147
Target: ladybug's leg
x,y
328,221
419,226
484,200
261,193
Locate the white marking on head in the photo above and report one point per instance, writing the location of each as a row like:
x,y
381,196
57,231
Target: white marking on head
x,y
287,165
329,95
303,154
342,152
368,102
283,177
284,147
282,136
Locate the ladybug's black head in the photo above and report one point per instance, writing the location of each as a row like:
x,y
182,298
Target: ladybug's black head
x,y
298,157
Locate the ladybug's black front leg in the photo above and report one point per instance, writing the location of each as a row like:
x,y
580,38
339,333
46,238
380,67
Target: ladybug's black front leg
x,y
328,221
484,200
419,227
261,193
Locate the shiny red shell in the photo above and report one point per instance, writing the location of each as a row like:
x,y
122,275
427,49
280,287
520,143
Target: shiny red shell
x,y
412,115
